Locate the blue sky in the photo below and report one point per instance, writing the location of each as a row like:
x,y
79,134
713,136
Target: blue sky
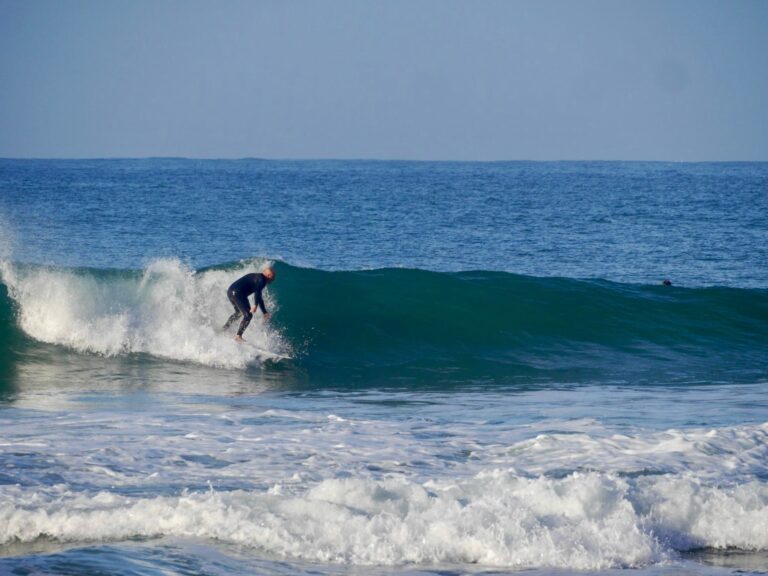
x,y
396,79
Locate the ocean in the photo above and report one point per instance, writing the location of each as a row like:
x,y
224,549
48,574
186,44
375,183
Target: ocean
x,y
471,368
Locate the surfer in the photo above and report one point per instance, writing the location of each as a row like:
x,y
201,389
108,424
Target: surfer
x,y
238,294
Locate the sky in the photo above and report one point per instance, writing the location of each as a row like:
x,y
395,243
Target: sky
x,y
676,80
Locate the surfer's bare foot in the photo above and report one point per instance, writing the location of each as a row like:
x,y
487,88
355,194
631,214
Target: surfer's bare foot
x,y
239,338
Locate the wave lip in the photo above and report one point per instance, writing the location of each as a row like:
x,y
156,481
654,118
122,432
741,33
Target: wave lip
x,y
585,521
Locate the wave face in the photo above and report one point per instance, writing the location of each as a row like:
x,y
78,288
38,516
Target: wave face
x,y
478,326
489,324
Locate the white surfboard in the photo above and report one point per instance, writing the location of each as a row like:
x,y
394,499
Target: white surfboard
x,y
269,355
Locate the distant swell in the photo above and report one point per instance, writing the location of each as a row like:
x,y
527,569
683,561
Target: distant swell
x,y
398,323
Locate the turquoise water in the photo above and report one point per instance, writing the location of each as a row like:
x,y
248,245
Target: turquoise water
x,y
484,372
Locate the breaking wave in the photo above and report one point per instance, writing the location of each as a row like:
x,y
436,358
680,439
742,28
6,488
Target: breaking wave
x,y
583,521
408,323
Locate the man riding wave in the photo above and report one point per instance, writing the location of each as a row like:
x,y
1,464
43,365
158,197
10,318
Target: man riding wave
x,y
238,294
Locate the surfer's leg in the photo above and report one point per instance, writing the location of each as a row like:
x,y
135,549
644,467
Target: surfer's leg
x,y
241,308
232,318
244,323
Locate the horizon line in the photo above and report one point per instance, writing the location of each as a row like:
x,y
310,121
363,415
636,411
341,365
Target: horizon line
x,y
363,159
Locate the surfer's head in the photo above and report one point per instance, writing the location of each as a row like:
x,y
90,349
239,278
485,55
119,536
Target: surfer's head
x,y
269,274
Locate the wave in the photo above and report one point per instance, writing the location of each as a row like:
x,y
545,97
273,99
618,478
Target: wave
x,y
585,521
401,323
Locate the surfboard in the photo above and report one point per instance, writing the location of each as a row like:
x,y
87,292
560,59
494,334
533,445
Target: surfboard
x,y
269,355
262,353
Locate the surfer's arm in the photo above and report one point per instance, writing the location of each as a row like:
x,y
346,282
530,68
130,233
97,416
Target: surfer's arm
x,y
259,301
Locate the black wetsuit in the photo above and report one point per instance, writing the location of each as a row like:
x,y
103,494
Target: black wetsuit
x,y
238,294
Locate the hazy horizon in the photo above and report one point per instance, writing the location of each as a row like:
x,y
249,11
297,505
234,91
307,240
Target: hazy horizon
x,y
339,159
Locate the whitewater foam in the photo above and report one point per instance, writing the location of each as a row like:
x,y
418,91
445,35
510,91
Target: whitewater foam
x,y
737,451
334,482
168,310
583,521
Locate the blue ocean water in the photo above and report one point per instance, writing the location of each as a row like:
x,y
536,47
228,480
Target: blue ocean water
x,y
484,373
